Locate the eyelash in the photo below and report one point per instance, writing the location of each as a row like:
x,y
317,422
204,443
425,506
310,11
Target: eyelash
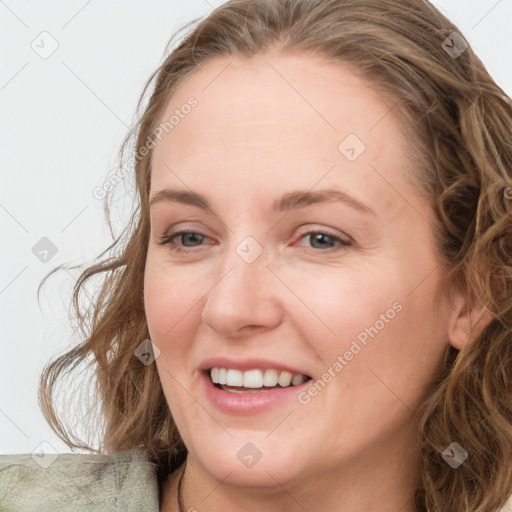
x,y
168,239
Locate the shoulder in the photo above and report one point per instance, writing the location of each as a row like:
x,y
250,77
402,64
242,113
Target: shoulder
x,y
76,481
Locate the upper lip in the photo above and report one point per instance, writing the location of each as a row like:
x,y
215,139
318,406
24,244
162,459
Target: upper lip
x,y
248,364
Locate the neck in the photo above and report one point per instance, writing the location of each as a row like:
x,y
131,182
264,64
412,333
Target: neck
x,y
378,483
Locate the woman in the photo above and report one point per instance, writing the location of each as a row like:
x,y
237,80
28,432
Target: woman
x,y
242,364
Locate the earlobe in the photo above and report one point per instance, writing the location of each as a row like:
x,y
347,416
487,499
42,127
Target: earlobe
x,y
468,324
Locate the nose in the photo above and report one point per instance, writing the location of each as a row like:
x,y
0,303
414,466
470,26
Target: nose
x,y
245,295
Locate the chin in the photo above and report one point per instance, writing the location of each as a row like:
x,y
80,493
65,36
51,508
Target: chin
x,y
248,463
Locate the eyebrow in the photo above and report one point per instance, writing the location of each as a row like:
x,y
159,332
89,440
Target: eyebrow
x,y
290,201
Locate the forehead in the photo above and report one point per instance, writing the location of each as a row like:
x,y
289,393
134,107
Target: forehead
x,y
278,119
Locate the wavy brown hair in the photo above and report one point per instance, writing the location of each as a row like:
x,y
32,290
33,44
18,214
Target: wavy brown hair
x,y
460,126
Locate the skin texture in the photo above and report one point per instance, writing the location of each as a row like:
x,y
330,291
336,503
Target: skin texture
x,y
264,127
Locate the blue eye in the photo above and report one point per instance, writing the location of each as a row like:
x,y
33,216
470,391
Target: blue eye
x,y
319,237
169,240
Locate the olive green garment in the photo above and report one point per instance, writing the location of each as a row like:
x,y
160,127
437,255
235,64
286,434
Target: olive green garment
x,y
125,481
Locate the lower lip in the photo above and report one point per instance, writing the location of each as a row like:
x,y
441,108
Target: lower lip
x,y
248,403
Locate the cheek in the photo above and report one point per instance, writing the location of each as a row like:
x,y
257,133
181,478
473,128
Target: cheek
x,y
168,303
328,306
168,299
374,323
394,355
338,304
332,310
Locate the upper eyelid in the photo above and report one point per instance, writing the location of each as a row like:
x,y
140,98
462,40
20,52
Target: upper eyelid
x,y
184,231
329,231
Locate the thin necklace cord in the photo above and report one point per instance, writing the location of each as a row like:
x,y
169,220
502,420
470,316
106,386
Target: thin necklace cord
x,y
181,507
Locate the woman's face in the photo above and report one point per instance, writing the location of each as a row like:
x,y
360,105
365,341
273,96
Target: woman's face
x,y
352,308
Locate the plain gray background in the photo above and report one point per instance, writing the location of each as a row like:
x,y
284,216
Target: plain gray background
x,y
63,118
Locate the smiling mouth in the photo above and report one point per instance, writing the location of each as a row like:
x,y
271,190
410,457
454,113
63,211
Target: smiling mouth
x,y
254,381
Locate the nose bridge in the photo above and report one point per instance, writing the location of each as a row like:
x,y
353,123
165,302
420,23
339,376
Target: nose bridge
x,y
244,293
243,272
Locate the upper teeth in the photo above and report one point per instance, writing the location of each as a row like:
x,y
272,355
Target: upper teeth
x,y
255,378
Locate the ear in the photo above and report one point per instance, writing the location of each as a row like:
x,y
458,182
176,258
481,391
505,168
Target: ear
x,y
467,324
